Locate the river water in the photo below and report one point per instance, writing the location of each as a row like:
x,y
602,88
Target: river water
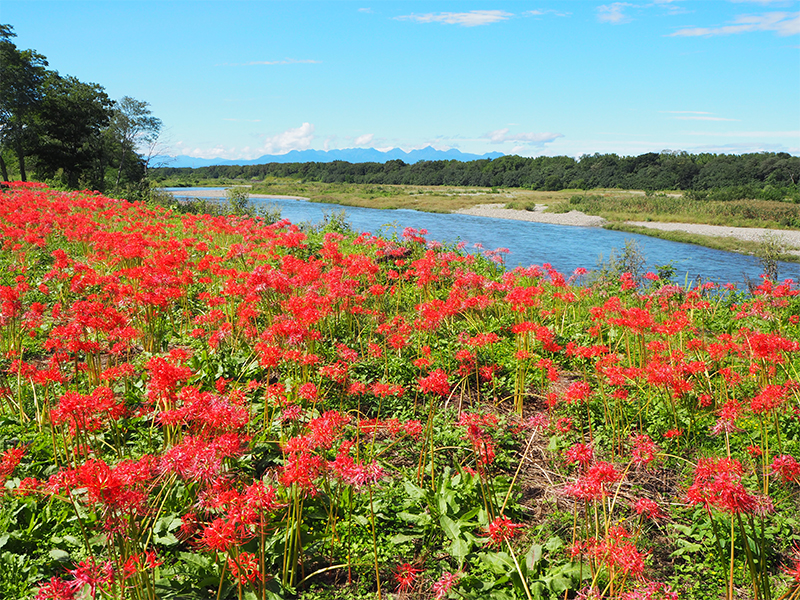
x,y
565,247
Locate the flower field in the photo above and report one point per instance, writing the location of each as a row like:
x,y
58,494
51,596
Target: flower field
x,y
218,407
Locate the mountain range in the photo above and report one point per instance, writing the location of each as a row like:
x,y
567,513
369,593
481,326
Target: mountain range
x,y
351,155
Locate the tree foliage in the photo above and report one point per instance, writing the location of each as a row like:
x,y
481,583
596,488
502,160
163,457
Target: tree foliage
x,y
767,176
68,132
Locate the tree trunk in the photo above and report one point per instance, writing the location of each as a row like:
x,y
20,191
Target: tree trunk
x,y
3,170
119,171
21,158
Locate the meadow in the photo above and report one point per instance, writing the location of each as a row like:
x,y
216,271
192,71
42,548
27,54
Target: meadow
x,y
200,406
617,206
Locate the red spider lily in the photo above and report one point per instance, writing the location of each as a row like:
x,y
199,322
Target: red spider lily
x,y
302,468
651,590
221,535
482,442
406,575
245,568
648,509
717,484
87,413
787,467
359,475
580,453
57,589
592,485
577,391
325,429
644,450
501,529
614,551
435,383
164,379
199,459
564,425
139,562
308,391
769,398
89,573
9,461
442,585
627,281
206,413
793,571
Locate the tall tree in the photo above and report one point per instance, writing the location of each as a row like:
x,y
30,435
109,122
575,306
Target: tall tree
x,y
22,74
73,116
134,126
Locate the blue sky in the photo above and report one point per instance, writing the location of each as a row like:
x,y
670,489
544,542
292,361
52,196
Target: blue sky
x,y
242,79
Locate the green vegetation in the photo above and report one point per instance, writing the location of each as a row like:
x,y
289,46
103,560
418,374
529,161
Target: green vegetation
x,y
679,209
763,176
58,129
212,406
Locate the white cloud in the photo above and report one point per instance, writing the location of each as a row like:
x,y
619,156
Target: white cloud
x,y
500,136
466,19
750,134
684,118
365,10
329,142
782,23
545,12
694,115
364,140
285,61
292,139
613,13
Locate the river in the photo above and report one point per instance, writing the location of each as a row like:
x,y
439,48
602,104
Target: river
x,y
565,247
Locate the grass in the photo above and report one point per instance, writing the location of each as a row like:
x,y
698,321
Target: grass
x,y
616,206
213,406
674,209
727,244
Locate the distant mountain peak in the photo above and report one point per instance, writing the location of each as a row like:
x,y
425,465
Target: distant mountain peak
x,y
351,155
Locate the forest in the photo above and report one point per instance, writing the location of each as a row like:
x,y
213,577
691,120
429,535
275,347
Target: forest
x,y
69,133
763,176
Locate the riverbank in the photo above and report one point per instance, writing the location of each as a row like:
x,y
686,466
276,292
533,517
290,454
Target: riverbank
x,y
744,240
748,235
210,193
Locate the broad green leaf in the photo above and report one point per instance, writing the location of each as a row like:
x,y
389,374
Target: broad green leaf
x,y
402,538
58,554
534,556
451,530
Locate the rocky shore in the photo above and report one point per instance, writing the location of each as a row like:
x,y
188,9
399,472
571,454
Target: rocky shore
x,y
751,234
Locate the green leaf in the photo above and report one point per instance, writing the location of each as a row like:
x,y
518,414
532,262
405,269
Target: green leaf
x,y
420,519
58,554
534,556
166,540
451,530
459,550
402,538
413,491
554,543
499,563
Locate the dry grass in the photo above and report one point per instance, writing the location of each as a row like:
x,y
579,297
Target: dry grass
x,y
439,199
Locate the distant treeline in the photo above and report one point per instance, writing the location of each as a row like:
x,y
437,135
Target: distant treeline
x,y
763,174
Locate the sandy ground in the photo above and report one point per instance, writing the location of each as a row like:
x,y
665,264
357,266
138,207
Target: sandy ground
x,y
579,219
496,211
221,194
752,234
